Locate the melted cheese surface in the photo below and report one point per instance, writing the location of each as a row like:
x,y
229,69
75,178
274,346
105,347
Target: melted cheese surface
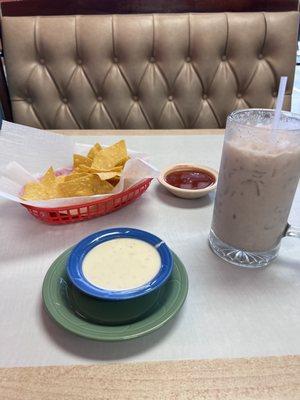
x,y
121,264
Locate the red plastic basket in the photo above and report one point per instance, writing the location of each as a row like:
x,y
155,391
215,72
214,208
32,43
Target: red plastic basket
x,y
82,212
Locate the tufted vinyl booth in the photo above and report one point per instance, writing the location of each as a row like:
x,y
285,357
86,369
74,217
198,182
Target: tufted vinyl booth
x,y
146,71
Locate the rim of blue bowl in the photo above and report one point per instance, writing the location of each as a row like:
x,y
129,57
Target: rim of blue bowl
x,y
74,264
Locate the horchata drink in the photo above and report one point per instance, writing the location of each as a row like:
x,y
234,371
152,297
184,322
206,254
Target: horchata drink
x,y
258,178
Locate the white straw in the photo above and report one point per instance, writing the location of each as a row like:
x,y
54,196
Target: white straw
x,y
279,104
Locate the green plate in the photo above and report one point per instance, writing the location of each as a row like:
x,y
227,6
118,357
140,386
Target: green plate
x,y
56,296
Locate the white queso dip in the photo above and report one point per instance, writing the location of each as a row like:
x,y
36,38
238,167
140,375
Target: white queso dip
x,y
121,264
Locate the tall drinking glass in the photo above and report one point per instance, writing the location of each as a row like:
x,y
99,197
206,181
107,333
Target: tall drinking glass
x,y
258,177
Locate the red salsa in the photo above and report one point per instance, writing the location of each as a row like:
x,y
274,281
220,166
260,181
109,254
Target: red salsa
x,y
190,179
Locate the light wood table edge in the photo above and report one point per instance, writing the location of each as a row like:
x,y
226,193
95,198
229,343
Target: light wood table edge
x,y
139,132
266,378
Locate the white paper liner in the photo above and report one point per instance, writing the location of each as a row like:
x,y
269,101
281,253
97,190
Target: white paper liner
x,y
34,151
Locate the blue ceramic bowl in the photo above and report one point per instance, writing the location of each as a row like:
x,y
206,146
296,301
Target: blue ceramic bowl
x,y
74,266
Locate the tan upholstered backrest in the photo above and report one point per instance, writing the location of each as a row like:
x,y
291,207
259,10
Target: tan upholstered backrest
x,y
146,71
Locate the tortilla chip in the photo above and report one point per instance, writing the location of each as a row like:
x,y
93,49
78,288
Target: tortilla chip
x,y
104,176
94,150
82,186
114,169
87,185
110,157
49,178
75,175
78,159
86,169
103,187
123,162
44,189
60,178
102,162
35,191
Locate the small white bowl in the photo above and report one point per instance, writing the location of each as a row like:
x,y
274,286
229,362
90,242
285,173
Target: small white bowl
x,y
188,193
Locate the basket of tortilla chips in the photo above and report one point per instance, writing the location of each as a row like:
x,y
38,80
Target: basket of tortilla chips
x,y
98,183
